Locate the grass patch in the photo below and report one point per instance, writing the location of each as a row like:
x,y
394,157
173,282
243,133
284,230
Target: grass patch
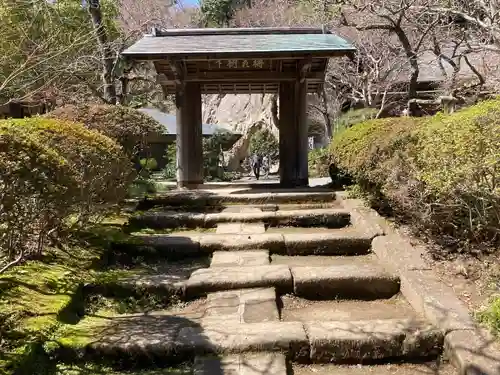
x,y
490,316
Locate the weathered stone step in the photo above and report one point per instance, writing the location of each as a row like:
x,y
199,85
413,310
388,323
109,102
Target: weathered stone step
x,y
297,309
240,258
325,217
427,368
217,279
362,279
244,305
176,338
205,198
242,364
345,241
367,281
365,340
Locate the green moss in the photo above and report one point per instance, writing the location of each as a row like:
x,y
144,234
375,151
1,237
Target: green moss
x,y
87,331
93,369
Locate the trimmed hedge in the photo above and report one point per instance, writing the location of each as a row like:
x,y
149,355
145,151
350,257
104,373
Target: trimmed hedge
x,y
440,172
127,126
52,170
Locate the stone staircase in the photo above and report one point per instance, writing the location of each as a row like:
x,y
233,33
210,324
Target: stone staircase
x,y
293,287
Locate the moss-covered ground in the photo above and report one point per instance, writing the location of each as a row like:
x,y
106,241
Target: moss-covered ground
x,y
43,299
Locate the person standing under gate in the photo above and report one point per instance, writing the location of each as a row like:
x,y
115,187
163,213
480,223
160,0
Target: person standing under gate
x,y
256,164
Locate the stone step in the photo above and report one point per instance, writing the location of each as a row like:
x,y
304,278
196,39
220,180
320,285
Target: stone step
x,y
361,281
296,309
176,338
324,217
367,340
240,258
345,241
211,198
243,364
217,279
367,281
426,368
244,305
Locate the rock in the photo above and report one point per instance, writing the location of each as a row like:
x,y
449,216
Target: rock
x,y
248,113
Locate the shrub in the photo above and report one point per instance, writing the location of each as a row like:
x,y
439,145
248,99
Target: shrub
x,y
213,156
171,167
319,161
127,126
52,170
264,143
353,117
459,162
441,172
490,316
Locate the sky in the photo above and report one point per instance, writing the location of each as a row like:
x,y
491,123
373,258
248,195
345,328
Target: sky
x,y
189,2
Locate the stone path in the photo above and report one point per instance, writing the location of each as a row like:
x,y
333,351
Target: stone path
x,y
274,301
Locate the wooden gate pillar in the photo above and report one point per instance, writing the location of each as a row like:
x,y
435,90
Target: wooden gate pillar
x,y
189,136
293,131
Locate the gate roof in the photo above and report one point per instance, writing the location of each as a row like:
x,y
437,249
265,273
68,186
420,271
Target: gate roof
x,y
240,60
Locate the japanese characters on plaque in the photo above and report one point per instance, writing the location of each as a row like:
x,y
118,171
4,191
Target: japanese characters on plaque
x,y
236,64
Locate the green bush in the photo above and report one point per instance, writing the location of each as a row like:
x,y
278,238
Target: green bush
x,y
440,172
53,170
170,170
212,158
319,162
491,315
264,143
127,126
353,117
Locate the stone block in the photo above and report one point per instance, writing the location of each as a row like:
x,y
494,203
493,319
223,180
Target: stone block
x,y
436,301
240,258
473,353
216,279
175,246
228,228
244,305
221,336
243,364
252,228
168,219
331,218
151,335
274,242
398,253
362,281
336,242
241,216
338,341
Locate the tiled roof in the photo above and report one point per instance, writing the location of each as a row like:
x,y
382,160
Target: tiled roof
x,y
202,42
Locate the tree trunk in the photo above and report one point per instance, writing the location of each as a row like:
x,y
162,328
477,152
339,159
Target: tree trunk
x,y
95,11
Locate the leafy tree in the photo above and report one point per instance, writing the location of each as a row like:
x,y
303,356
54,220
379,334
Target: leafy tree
x,y
213,157
46,46
220,12
264,143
